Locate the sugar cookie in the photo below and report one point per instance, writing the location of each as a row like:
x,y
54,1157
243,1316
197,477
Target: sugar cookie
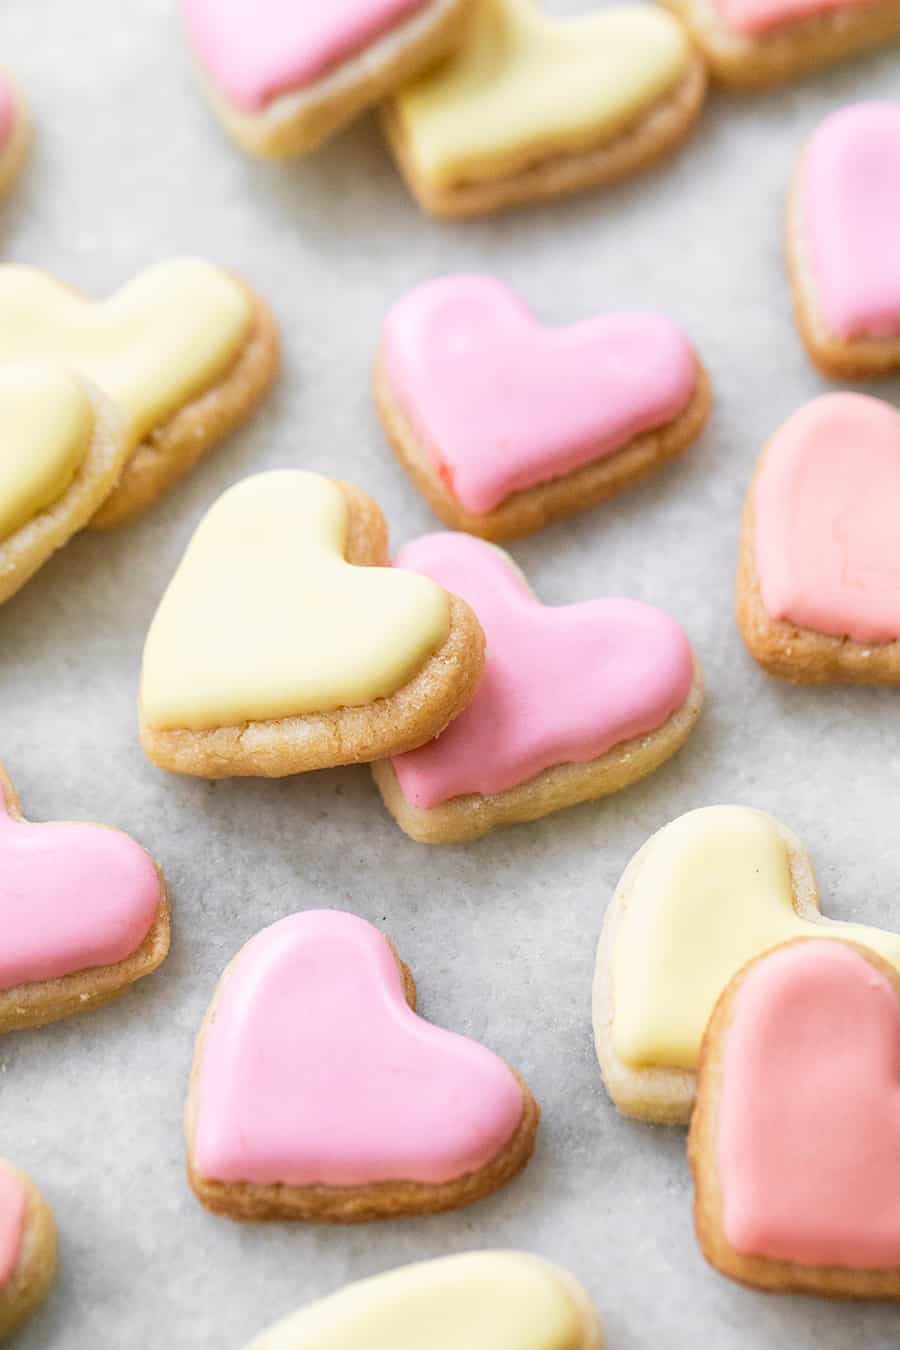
x,y
84,914
284,75
795,1142
534,106
15,131
504,424
185,350
318,1093
704,895
818,591
843,227
480,1300
27,1248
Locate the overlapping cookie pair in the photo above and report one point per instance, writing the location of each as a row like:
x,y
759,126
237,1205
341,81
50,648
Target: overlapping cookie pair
x,y
722,996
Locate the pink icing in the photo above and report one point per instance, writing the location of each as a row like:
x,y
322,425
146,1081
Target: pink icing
x,y
7,112
71,897
561,685
256,50
316,1070
13,1206
809,1113
760,16
849,215
502,403
827,546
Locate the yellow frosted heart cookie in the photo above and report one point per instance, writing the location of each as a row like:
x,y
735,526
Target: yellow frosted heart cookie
x,y
533,106
284,643
62,448
185,350
706,894
478,1300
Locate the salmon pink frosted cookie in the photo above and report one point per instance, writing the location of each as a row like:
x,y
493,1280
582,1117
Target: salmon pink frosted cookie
x,y
576,702
27,1248
818,595
504,424
795,1142
842,241
707,893
185,350
479,1300
15,131
284,75
533,106
84,913
318,1093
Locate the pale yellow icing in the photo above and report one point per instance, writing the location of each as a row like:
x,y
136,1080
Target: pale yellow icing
x,y
478,1301
265,619
46,426
713,890
526,86
153,346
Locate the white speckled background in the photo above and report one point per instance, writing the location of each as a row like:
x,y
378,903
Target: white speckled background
x,y
128,168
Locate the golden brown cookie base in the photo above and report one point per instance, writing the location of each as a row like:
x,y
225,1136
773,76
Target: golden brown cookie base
x,y
416,713
13,155
655,134
562,785
36,1266
792,50
531,509
295,124
25,551
251,1202
176,446
758,1271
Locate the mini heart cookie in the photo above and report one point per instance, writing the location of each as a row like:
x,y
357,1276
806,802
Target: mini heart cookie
x,y
576,702
84,914
284,644
479,1300
15,130
534,106
707,893
504,424
284,75
795,1142
185,350
842,241
819,569
27,1248
318,1093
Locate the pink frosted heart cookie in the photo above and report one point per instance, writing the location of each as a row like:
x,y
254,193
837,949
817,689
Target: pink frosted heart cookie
x,y
795,1139
27,1248
84,914
504,424
843,241
318,1093
15,130
819,570
575,702
284,75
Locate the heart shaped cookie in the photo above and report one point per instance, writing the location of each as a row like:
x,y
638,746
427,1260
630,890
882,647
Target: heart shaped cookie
x,y
27,1248
842,241
185,351
15,130
318,1093
284,75
575,702
795,1142
480,1300
84,914
819,570
504,424
534,106
283,643
707,893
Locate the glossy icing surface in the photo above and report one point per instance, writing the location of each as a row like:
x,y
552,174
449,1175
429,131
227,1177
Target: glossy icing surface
x,y
501,403
762,16
809,1112
826,543
13,1209
714,890
314,1069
